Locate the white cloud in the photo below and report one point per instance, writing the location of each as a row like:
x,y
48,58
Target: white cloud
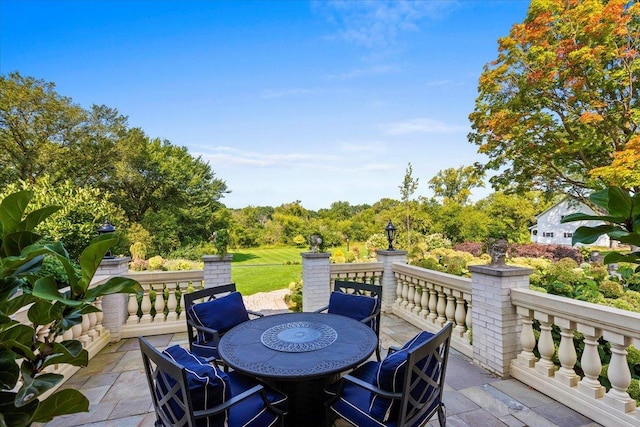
x,y
421,125
368,147
376,23
372,71
230,156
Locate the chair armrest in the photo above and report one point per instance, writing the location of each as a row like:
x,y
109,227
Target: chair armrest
x,y
255,313
320,310
371,387
213,332
393,350
225,405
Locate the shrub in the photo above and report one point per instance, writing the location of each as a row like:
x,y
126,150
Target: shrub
x,y
299,240
138,265
611,289
192,252
155,263
138,251
436,240
294,299
474,248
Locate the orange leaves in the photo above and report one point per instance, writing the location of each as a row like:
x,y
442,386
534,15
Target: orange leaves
x,y
589,117
624,170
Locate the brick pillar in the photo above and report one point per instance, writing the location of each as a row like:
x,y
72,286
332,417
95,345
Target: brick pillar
x,y
114,306
496,326
389,282
316,280
217,270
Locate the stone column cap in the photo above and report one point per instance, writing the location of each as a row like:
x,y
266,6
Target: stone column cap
x,y
393,252
501,271
311,255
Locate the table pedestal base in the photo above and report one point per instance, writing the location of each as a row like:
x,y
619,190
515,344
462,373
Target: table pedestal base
x,y
306,400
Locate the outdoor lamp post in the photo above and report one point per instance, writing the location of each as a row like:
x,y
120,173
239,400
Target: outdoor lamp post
x,y
391,235
105,228
347,246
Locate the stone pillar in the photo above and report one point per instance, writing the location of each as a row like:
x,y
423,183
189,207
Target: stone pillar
x,y
316,280
496,326
217,270
114,306
389,282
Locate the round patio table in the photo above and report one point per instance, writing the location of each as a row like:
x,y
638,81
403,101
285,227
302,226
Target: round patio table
x,y
298,353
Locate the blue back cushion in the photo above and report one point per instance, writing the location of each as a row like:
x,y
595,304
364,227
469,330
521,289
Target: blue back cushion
x,y
220,314
390,377
357,307
208,385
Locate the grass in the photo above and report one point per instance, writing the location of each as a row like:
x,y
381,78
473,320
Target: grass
x,y
264,270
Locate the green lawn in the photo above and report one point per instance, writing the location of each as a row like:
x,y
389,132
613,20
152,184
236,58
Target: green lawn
x,y
264,270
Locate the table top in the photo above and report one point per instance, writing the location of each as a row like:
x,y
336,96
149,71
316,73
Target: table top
x,y
294,346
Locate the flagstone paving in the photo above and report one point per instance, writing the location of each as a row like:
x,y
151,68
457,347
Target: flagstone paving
x,y
115,384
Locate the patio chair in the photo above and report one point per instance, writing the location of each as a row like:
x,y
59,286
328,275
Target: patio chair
x,y
188,391
359,301
207,321
405,389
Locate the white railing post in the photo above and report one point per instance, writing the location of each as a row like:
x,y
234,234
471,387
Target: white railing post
x,y
496,326
316,276
217,270
114,307
389,285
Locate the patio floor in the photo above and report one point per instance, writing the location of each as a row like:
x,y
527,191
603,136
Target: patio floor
x,y
116,386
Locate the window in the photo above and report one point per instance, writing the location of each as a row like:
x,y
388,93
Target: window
x,y
567,235
547,234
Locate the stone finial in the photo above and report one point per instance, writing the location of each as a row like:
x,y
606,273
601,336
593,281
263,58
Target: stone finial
x,y
497,249
315,242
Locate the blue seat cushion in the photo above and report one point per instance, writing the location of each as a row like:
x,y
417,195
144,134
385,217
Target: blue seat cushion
x,y
252,411
220,314
390,377
357,307
208,385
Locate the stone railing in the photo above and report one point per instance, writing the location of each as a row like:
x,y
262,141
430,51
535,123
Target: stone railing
x,y
363,272
428,299
586,323
161,308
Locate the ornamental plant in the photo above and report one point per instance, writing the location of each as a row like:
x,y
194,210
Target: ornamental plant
x,y
622,223
28,349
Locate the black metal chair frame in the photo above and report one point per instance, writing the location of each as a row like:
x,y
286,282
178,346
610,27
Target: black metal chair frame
x,y
366,289
208,294
410,410
158,367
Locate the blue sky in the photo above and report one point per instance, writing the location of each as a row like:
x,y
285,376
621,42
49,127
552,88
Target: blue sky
x,y
318,101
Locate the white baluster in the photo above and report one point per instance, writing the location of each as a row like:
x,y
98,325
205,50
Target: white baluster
x,y
398,290
433,304
408,304
460,315
132,309
159,305
84,336
450,310
405,292
619,374
527,339
417,298
442,308
424,302
545,346
591,363
93,320
469,320
99,316
145,306
566,354
172,302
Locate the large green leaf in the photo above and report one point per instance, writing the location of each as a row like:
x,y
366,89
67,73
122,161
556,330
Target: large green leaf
x,y
113,286
33,387
91,258
43,312
14,243
619,202
19,348
18,332
9,368
68,401
47,288
601,198
9,286
590,234
36,217
14,304
62,354
12,208
15,417
586,217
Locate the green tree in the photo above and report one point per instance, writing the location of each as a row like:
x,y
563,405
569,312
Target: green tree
x,y
509,215
456,184
562,97
408,187
36,125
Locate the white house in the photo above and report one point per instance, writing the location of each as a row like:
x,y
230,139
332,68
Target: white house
x,y
549,230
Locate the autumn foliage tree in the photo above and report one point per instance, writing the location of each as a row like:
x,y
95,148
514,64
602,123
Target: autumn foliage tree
x,y
562,98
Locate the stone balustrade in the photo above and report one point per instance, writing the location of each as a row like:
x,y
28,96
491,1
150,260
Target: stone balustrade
x,y
428,299
363,272
586,323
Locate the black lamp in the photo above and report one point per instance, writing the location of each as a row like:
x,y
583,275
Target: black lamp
x,y
391,235
106,228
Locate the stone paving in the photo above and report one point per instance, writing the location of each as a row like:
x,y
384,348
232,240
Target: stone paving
x,y
115,384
